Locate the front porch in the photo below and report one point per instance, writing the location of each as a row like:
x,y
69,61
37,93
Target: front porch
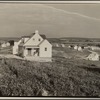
x,y
31,52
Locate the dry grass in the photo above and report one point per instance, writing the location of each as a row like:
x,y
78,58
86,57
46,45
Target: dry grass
x,y
70,53
62,77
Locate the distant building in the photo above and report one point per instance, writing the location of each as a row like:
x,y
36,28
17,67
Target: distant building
x,y
11,42
87,47
5,44
69,46
15,47
93,56
79,48
57,45
62,45
35,45
75,47
95,48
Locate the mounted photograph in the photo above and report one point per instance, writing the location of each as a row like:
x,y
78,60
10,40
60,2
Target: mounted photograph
x,y
49,49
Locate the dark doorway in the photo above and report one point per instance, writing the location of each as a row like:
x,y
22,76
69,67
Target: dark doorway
x,y
29,51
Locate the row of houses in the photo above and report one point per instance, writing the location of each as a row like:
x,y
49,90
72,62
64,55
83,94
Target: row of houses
x,y
80,48
92,56
76,47
5,44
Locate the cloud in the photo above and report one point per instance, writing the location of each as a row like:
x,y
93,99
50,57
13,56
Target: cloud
x,y
74,13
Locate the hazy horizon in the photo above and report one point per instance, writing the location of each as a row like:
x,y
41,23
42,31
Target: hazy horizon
x,y
53,20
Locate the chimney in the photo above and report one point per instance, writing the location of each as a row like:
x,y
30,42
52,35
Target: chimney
x,y
36,31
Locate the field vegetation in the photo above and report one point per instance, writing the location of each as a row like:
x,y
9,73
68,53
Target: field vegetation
x,y
62,77
66,75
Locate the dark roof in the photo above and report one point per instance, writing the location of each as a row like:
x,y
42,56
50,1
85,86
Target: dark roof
x,y
40,42
21,44
25,36
32,34
16,40
43,36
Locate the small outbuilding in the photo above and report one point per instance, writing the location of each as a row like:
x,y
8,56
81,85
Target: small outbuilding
x,y
62,45
69,46
93,56
7,44
75,47
57,45
79,48
95,48
3,45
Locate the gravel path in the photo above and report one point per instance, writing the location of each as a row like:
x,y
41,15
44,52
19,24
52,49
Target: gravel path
x,y
39,59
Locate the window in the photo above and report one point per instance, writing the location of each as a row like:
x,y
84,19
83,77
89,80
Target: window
x,y
45,49
39,39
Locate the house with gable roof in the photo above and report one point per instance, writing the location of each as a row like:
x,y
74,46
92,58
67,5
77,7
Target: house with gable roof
x,y
35,45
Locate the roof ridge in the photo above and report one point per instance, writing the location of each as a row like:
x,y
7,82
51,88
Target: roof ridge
x,y
30,37
41,42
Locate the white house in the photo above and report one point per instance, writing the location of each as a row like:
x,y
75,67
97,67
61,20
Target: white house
x,y
15,47
75,47
57,45
5,44
93,56
69,46
62,45
35,45
95,48
79,48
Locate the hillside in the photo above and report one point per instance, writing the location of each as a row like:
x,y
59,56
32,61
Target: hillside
x,y
62,77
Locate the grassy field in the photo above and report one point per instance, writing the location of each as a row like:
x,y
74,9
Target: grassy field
x,y
62,77
70,53
66,75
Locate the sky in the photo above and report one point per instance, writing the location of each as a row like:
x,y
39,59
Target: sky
x,y
53,20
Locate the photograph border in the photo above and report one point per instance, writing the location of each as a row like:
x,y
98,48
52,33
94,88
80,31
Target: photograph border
x,y
50,2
